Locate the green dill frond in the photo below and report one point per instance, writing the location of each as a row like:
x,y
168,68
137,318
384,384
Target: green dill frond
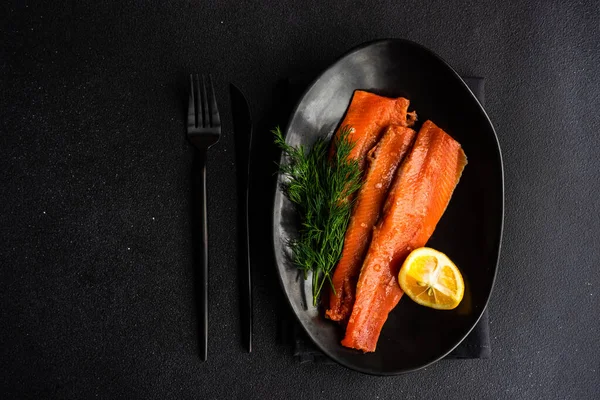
x,y
321,188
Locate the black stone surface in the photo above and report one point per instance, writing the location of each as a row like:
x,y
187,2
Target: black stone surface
x,y
96,276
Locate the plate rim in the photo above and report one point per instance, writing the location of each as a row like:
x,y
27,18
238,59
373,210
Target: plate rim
x,y
278,193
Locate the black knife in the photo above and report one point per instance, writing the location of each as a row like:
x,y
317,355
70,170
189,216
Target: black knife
x,y
242,128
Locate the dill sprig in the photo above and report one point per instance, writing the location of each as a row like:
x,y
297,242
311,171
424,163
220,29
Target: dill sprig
x,y
321,188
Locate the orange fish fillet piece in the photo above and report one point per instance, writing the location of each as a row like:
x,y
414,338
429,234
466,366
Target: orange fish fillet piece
x,y
367,116
384,159
419,196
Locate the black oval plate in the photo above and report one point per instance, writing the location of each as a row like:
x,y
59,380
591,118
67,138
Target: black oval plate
x,y
469,232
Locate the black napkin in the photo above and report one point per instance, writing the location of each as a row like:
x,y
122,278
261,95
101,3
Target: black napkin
x,y
475,345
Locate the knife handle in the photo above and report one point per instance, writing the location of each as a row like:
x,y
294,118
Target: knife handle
x,y
242,126
245,273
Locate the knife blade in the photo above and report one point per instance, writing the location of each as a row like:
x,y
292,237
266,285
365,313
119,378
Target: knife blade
x,y
242,128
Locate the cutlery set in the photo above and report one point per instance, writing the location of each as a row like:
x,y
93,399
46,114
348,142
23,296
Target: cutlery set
x,y
203,131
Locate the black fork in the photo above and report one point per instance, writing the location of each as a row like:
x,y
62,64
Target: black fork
x,y
203,131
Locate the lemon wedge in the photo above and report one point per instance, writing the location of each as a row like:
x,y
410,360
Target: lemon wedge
x,y
431,279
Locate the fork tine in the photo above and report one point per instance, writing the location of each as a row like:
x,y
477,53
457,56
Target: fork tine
x,y
205,109
201,120
192,104
215,119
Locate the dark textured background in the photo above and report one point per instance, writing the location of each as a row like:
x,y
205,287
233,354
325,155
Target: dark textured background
x,y
96,276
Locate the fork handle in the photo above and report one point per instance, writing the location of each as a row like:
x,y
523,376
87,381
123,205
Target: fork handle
x,y
203,256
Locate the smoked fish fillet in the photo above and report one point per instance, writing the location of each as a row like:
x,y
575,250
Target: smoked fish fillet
x,y
419,196
383,160
368,115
